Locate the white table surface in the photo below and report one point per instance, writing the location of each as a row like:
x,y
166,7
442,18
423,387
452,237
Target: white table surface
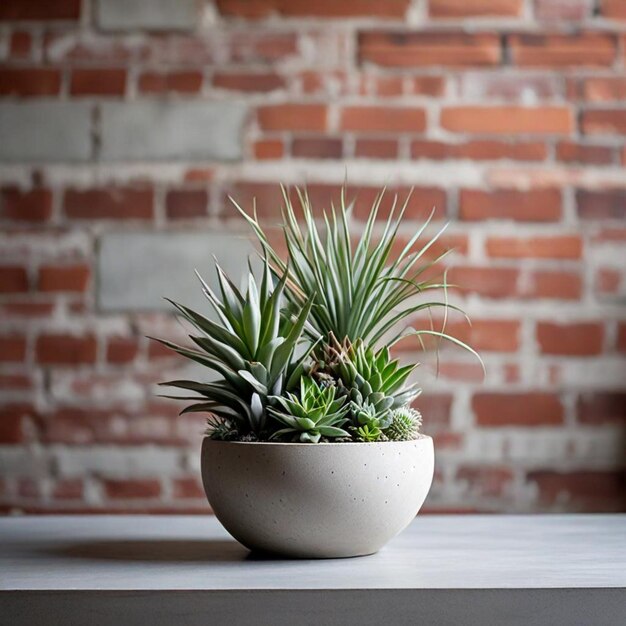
x,y
151,556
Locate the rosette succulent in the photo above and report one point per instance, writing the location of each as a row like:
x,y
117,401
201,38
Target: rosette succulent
x,y
314,413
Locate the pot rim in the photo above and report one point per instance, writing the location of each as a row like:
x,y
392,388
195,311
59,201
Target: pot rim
x,y
342,444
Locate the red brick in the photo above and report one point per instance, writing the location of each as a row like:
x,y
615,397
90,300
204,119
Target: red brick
x,y
269,199
571,152
487,481
604,407
64,349
376,148
21,45
34,205
490,282
29,488
168,82
411,49
604,122
98,82
84,426
461,372
604,89
478,150
374,119
621,337
29,82
248,81
12,348
16,382
293,117
573,339
607,281
609,204
109,203
64,277
187,488
321,8
548,120
426,85
128,489
420,204
26,308
609,235
560,10
68,489
317,147
186,203
613,9
383,85
121,349
488,335
558,247
330,82
12,418
584,49
199,175
554,284
436,409
13,279
474,8
584,490
36,10
533,205
269,149
517,409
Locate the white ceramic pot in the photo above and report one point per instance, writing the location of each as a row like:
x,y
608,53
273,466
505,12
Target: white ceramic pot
x,y
316,500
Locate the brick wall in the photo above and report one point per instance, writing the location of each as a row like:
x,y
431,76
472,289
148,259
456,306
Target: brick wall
x,y
125,123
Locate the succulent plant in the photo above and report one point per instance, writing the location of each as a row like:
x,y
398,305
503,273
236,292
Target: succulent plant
x,y
405,424
373,382
295,354
316,412
252,347
368,422
358,292
220,428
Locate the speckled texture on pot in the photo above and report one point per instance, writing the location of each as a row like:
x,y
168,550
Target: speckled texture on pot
x,y
317,500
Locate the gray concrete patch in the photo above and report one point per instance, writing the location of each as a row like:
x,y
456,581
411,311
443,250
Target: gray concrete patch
x,y
136,270
45,131
125,15
172,130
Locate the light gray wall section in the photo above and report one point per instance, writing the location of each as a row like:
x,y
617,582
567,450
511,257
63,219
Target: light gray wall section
x,y
135,270
124,15
172,130
45,131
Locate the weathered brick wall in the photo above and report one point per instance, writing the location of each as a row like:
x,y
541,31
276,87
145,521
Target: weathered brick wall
x,y
125,123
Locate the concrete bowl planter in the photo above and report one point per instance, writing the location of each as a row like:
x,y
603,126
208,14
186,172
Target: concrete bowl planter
x,y
316,500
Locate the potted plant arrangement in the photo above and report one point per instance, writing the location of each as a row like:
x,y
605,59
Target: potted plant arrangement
x,y
313,446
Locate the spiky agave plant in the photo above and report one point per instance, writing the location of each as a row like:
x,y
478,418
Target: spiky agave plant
x,y
316,412
252,347
358,292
